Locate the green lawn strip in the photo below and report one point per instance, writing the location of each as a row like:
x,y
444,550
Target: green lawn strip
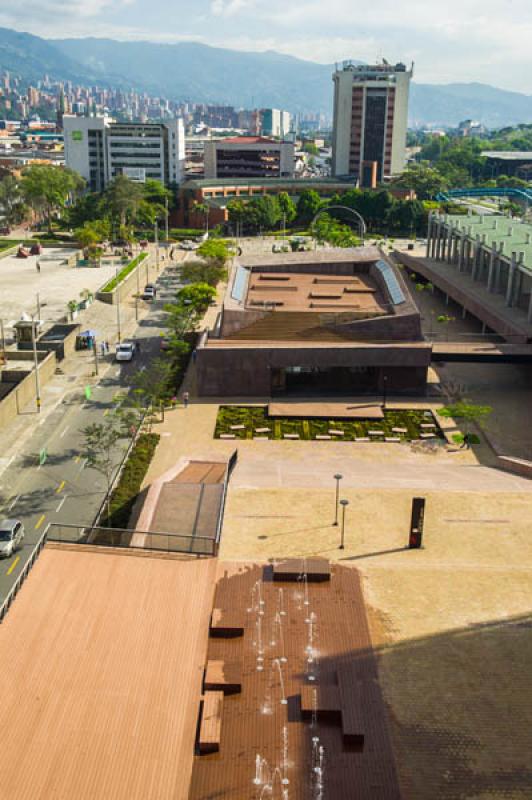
x,y
128,487
124,272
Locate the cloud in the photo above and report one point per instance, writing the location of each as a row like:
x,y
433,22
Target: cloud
x,y
228,8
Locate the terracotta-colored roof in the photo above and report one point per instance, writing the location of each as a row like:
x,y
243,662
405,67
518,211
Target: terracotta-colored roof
x,y
248,140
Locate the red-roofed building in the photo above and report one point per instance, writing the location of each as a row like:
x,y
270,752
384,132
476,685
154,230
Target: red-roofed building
x,y
249,157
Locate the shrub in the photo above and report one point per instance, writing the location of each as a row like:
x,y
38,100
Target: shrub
x,y
113,283
128,487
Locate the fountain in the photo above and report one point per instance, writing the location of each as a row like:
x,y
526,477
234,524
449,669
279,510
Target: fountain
x,y
280,602
317,769
284,780
277,636
310,650
259,645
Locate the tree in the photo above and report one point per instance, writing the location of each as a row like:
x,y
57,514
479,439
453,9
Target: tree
x,y
203,272
12,201
287,207
470,415
310,147
204,210
308,205
423,180
47,188
100,448
122,198
215,251
196,296
92,233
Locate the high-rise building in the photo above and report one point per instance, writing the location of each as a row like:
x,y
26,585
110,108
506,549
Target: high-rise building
x,y
370,120
100,149
249,157
275,122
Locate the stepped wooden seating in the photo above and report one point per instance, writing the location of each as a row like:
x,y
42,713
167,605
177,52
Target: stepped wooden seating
x,y
211,723
351,700
316,569
324,701
226,623
223,677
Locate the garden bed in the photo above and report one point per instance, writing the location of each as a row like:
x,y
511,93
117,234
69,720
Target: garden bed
x,y
253,418
124,495
124,272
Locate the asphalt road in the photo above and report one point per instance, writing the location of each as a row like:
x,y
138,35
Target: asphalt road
x,y
63,489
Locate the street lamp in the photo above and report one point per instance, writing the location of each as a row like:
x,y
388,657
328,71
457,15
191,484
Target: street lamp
x,y
384,387
337,478
118,307
344,504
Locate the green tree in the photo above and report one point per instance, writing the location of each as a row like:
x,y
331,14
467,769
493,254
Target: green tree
x,y
100,447
423,180
204,210
287,207
308,205
203,272
468,413
122,198
47,188
196,296
12,200
215,251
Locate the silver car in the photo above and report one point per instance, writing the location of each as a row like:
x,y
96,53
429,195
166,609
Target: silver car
x,y
11,536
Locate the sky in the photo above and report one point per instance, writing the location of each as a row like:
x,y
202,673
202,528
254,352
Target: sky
x,y
453,41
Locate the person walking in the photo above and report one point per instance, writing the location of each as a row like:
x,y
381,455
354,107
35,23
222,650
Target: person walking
x,y
186,398
102,349
106,346
38,265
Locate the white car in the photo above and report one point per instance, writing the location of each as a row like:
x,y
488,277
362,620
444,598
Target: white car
x,y
11,537
125,351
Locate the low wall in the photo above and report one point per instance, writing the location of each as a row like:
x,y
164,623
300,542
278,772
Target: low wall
x,y
14,402
516,465
145,271
9,252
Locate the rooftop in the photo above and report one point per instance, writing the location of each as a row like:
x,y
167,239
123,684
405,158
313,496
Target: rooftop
x,y
512,234
248,140
508,155
303,183
103,704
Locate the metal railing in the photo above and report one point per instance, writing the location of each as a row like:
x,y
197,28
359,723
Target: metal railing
x,y
131,539
6,605
228,470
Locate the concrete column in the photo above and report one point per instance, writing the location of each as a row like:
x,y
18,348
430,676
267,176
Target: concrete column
x,y
511,278
529,315
438,240
461,255
443,244
476,258
429,236
450,240
491,270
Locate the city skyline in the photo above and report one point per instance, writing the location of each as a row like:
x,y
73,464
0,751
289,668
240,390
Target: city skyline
x,y
466,41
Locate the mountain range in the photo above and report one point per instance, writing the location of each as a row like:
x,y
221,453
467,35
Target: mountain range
x,y
203,74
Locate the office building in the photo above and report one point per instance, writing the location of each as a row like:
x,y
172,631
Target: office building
x,y
370,120
249,157
100,149
275,122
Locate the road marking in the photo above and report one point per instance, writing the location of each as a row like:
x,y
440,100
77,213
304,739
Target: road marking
x,y
77,458
107,410
40,521
62,434
84,464
13,503
13,565
59,507
60,487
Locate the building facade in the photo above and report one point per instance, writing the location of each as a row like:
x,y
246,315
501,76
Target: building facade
x,y
370,120
100,149
249,157
275,122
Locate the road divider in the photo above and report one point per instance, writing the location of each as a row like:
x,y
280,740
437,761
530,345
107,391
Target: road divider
x,y
13,565
60,487
40,521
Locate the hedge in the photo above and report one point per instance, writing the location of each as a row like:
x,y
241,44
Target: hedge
x,y
124,495
113,283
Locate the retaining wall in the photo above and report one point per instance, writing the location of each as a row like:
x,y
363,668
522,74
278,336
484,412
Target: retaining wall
x,y
24,391
146,274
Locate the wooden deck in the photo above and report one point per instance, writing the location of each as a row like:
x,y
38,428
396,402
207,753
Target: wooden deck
x,y
346,691
102,658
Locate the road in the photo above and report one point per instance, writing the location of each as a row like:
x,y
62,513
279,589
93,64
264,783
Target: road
x,y
63,489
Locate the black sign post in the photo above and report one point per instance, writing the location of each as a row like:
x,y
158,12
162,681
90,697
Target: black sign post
x,y
416,522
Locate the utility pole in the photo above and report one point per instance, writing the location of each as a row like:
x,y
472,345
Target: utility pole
x,y
157,245
95,345
36,365
3,338
166,219
118,307
38,306
137,295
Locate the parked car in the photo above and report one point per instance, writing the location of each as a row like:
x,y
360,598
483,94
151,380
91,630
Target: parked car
x,y
11,537
150,292
125,351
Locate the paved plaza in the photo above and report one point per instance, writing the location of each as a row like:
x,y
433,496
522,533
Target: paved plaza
x,y
450,622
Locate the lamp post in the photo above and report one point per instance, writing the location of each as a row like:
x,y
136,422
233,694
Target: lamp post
x,y
36,364
384,387
337,478
344,504
157,245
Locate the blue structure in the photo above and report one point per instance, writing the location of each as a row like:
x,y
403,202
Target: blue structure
x,y
518,194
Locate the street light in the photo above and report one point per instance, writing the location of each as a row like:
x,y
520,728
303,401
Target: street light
x,y
384,387
337,478
118,306
344,504
36,364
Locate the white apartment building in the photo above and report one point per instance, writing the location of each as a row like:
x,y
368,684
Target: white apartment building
x,y
370,120
100,149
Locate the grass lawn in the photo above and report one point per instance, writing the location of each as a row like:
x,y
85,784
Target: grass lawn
x,y
254,417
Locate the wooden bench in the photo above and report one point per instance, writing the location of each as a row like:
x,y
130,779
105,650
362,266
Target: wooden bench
x,y
226,624
211,723
351,699
316,569
323,700
222,676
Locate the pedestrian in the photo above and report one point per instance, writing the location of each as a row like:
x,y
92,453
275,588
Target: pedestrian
x,y
102,349
106,346
138,345
194,355
186,398
465,441
38,265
